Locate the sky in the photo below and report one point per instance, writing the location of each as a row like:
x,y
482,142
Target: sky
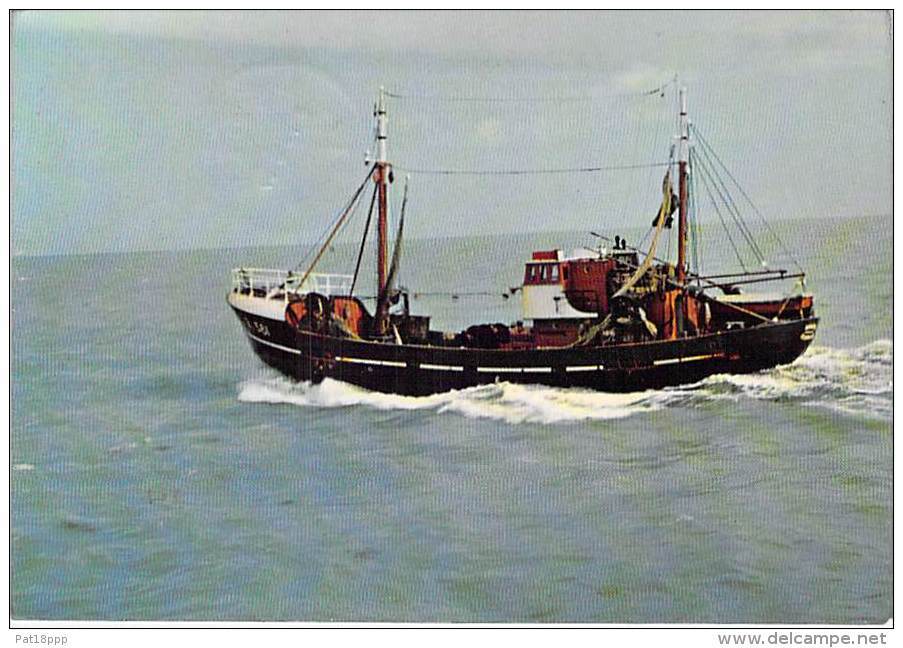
x,y
181,130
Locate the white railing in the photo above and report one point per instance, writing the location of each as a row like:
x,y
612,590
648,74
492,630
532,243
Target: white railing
x,y
280,284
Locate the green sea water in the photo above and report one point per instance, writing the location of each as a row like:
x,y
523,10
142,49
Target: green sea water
x,y
159,471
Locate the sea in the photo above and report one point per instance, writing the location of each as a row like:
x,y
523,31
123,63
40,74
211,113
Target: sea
x,y
159,471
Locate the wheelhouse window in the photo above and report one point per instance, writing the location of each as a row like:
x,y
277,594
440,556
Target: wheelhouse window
x,y
542,273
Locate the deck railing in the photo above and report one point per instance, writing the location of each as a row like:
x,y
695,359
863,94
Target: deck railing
x,y
281,284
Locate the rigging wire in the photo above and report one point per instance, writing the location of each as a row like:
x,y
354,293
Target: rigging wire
x,y
642,243
727,231
496,172
765,222
694,214
704,166
659,90
651,141
360,254
416,294
350,217
397,249
628,193
732,208
335,228
319,241
649,179
711,178
651,100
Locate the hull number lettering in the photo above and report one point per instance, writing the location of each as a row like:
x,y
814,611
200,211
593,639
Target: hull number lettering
x,y
257,327
808,332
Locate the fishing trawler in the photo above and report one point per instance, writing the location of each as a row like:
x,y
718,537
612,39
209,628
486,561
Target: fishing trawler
x,y
617,319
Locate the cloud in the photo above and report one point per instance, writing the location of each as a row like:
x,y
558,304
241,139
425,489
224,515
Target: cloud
x,y
567,37
216,107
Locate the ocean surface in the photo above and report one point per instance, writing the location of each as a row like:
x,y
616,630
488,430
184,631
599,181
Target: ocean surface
x,y
160,471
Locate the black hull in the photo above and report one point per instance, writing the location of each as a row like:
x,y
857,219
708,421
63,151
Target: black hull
x,y
423,370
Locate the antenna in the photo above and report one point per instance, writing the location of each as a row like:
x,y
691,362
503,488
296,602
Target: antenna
x,y
683,158
381,177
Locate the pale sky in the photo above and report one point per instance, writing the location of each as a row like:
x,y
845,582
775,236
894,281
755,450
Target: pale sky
x,y
161,130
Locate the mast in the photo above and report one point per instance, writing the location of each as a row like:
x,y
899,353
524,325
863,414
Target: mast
x,y
381,177
683,160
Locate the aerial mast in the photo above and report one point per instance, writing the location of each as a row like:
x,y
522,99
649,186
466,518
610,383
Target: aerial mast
x,y
381,177
683,160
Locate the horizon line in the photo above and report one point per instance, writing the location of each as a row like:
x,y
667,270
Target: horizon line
x,y
15,255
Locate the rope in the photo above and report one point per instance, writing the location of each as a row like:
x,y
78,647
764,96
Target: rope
x,y
416,294
645,236
397,248
695,215
655,139
698,294
790,296
774,235
317,243
660,90
663,213
727,231
731,206
360,254
708,177
496,172
337,226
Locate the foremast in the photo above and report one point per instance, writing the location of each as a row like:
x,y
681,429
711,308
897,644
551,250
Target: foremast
x,y
683,160
381,176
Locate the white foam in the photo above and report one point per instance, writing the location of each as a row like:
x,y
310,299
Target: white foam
x,y
502,401
853,381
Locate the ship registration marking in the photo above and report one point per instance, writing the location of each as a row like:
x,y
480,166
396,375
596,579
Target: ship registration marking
x,y
679,360
808,332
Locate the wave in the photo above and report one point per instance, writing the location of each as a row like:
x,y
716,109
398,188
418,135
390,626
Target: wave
x,y
855,381
502,401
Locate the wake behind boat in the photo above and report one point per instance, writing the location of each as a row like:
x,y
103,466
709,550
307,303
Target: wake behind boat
x,y
619,319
